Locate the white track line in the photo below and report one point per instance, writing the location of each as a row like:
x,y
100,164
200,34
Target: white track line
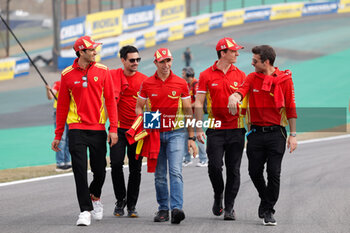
x,y
107,169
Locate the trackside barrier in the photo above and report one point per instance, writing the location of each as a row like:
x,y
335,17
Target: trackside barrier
x,y
152,25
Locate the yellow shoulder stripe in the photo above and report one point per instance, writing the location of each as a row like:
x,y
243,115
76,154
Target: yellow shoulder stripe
x,y
67,70
99,65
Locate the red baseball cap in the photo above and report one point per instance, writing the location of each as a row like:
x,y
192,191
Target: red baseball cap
x,y
85,42
228,43
161,54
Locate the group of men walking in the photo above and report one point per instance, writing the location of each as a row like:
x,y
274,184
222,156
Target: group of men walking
x,y
264,100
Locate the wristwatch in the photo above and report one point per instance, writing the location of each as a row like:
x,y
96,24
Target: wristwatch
x,y
293,134
192,138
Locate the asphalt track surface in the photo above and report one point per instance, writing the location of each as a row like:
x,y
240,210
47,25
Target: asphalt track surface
x,y
314,198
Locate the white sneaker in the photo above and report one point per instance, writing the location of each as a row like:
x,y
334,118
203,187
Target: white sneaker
x,y
84,219
202,164
97,212
186,163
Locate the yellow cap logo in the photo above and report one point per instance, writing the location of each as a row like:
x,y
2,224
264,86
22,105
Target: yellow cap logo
x,y
163,52
87,43
158,55
229,44
169,54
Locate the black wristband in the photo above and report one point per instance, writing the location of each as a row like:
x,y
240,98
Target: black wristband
x,y
192,138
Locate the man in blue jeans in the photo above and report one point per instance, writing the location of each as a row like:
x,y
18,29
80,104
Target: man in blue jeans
x,y
169,97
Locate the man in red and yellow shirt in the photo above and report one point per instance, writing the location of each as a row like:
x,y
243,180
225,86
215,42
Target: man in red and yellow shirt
x,y
216,84
168,96
271,108
85,87
130,58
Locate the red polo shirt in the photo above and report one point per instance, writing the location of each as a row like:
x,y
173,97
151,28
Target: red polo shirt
x,y
128,96
263,110
166,96
218,87
82,107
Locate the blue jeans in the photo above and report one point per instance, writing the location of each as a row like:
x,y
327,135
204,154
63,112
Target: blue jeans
x,y
201,151
63,156
171,152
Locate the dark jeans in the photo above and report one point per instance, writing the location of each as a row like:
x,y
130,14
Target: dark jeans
x,y
117,161
268,148
79,141
228,142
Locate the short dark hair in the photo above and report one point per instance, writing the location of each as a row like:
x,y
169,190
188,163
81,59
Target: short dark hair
x,y
123,52
219,52
189,72
78,52
266,52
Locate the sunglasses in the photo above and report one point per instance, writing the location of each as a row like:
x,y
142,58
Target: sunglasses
x,y
132,60
85,83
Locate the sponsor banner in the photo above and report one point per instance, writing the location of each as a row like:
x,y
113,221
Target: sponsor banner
x,y
257,15
344,6
7,69
231,18
189,28
176,32
170,11
109,50
150,39
71,30
286,11
104,24
202,25
216,21
140,42
320,8
162,35
127,41
21,67
138,18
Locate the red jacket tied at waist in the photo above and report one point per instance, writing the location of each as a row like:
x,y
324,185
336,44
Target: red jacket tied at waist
x,y
148,142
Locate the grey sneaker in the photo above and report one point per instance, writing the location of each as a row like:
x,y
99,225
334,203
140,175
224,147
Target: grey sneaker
x,y
202,164
269,219
119,208
186,163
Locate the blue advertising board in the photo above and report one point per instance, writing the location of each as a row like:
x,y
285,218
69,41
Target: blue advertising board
x,y
189,28
255,15
318,8
216,21
71,30
138,18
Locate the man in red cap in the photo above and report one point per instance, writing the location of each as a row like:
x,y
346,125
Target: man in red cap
x,y
130,58
85,87
217,83
271,108
169,98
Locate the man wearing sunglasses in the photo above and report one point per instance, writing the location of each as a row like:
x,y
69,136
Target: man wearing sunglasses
x,y
127,82
85,87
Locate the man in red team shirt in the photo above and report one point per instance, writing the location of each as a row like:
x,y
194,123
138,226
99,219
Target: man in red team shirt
x,y
218,82
168,96
130,58
84,85
271,108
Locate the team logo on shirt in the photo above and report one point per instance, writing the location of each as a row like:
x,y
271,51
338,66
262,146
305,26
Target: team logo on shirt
x,y
214,84
95,78
235,83
173,93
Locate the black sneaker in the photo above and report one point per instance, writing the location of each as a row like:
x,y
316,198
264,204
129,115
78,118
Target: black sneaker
x,y
61,168
162,216
261,210
269,220
132,213
177,216
217,206
229,215
119,208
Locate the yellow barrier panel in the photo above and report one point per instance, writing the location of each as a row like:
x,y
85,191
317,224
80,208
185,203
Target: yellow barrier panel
x,y
286,11
344,6
7,69
176,32
129,41
170,11
202,25
150,39
233,18
104,24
